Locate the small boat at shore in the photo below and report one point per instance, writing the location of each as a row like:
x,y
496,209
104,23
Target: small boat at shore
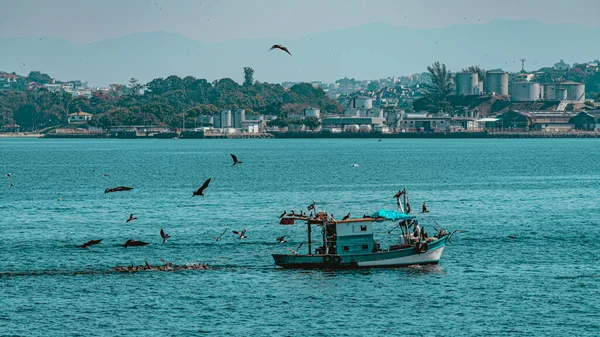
x,y
350,243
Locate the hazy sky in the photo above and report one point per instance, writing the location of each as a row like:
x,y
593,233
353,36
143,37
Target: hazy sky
x,y
84,21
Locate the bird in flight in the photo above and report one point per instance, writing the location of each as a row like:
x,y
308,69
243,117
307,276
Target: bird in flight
x,y
295,251
202,188
218,238
235,160
281,239
346,217
90,243
241,235
164,236
131,218
117,189
425,210
133,243
278,46
399,194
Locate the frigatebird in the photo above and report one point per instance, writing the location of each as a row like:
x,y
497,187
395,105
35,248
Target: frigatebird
x,y
133,243
164,236
425,210
202,188
278,46
89,243
241,235
131,218
117,189
235,160
218,238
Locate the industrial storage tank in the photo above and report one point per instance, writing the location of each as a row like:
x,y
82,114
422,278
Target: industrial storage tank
x,y
550,92
361,102
525,91
366,128
575,91
496,82
311,112
560,94
466,83
352,128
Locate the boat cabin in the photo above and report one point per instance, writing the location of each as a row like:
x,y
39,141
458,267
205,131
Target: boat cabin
x,y
348,237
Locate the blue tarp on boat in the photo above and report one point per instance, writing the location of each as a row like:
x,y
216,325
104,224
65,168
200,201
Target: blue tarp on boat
x,y
391,215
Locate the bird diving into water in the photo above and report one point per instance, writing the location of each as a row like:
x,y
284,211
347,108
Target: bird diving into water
x,y
90,243
235,160
131,218
200,191
117,189
134,243
164,236
241,235
218,238
278,46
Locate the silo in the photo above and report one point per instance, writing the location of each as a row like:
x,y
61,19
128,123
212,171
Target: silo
x,y
225,118
560,94
575,91
496,82
238,116
311,112
466,83
361,102
550,92
525,91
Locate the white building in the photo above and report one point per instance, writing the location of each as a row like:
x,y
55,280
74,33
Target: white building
x,y
79,117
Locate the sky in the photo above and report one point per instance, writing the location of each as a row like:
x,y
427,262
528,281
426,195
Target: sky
x,y
86,21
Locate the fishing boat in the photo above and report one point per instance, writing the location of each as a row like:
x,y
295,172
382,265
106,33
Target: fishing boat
x,y
350,243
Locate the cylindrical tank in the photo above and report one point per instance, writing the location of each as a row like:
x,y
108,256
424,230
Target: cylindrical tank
x,y
352,128
466,83
549,92
575,91
525,91
496,82
365,128
362,102
312,112
560,94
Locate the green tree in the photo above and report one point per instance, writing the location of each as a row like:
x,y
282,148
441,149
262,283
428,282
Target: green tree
x,y
248,76
476,69
135,87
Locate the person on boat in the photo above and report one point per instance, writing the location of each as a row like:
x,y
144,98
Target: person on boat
x,y
417,232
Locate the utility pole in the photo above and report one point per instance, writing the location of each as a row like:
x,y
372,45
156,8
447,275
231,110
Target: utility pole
x,y
523,65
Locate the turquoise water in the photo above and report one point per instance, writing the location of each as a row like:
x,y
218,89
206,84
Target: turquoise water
x,y
542,192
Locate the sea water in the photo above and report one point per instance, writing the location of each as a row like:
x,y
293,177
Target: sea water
x,y
526,265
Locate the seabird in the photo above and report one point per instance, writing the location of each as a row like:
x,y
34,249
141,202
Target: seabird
x,y
283,214
346,217
218,238
133,243
295,251
202,188
235,160
8,175
354,165
425,210
164,236
131,218
399,194
281,239
90,243
407,207
278,46
117,189
241,235
12,185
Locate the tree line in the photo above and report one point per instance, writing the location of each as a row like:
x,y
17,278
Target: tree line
x,y
162,101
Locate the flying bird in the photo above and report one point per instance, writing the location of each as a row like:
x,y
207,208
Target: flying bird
x,y
346,217
164,236
295,251
235,160
283,214
218,238
131,218
281,239
133,243
278,46
425,210
202,188
90,243
117,189
241,235
399,194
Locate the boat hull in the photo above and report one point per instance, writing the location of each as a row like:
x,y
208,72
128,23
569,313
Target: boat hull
x,y
385,259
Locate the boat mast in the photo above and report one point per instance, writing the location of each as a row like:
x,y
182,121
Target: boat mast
x,y
308,228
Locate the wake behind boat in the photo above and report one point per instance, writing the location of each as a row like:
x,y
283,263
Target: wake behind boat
x,y
350,243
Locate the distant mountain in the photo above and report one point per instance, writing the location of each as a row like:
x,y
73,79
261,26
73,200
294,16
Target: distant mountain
x,y
370,51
